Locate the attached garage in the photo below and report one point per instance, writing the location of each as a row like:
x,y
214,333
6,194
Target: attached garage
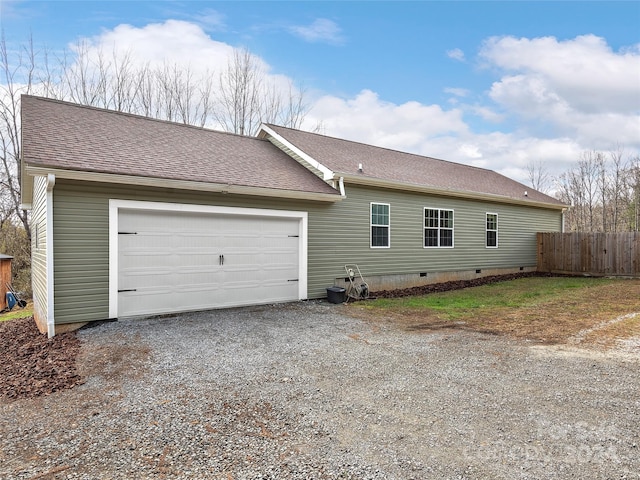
x,y
168,258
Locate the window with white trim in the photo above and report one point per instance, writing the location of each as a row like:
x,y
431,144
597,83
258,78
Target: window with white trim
x,y
438,228
380,225
492,230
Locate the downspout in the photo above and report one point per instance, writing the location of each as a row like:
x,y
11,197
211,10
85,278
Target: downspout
x,y
341,186
51,327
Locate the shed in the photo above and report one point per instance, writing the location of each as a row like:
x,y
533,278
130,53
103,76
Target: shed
x,y
5,278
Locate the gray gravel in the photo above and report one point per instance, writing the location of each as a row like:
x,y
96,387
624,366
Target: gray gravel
x,y
302,391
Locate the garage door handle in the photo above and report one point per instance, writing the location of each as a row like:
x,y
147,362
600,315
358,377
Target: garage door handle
x,y
128,290
293,280
221,259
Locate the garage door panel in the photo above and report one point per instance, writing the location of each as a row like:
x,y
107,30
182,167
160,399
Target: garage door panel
x,y
159,301
172,261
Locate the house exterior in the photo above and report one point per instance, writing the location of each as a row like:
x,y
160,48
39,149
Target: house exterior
x,y
133,216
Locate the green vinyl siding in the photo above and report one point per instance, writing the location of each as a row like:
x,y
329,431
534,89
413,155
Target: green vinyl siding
x,y
338,233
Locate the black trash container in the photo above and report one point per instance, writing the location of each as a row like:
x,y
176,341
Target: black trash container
x,y
336,294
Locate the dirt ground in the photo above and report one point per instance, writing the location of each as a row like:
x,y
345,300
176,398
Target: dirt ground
x,y
601,317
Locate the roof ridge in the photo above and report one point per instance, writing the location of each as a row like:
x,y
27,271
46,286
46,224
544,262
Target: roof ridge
x,y
394,150
138,116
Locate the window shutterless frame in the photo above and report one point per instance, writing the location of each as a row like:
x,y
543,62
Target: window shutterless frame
x,y
438,228
491,236
379,225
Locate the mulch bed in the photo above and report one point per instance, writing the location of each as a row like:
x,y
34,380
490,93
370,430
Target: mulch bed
x,y
32,365
454,285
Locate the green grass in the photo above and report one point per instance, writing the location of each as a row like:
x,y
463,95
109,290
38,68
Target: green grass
x,y
524,292
17,312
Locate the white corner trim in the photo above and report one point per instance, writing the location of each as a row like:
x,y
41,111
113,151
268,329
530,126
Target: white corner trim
x,y
113,258
327,174
115,205
51,327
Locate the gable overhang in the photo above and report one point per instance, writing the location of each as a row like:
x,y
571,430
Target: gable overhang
x,y
445,192
26,185
290,149
134,180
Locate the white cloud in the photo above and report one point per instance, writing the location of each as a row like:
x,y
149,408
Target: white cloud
x,y
578,88
584,71
211,19
321,30
172,42
456,54
458,92
486,113
366,118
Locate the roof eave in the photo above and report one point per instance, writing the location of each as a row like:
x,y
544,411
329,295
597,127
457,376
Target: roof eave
x,y
411,187
99,177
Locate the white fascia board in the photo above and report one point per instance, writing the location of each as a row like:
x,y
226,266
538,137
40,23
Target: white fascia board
x,y
115,205
410,187
26,187
327,173
181,184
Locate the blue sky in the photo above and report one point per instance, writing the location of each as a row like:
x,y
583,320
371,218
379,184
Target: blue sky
x,y
493,84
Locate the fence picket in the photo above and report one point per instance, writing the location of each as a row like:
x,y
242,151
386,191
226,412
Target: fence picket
x,y
598,254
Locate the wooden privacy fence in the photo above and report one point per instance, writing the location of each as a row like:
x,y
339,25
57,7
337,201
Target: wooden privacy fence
x,y
599,254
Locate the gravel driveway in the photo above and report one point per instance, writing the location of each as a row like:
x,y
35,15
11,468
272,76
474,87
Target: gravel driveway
x,y
304,391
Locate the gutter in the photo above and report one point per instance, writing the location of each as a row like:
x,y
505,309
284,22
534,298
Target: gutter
x,y
410,187
180,184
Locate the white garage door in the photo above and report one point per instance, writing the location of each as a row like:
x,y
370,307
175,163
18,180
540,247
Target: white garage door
x,y
179,261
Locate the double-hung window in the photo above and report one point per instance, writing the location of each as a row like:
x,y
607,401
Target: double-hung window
x,y
438,228
492,230
380,225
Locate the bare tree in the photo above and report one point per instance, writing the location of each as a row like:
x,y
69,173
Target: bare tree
x,y
604,191
17,78
632,187
539,177
248,97
240,102
618,195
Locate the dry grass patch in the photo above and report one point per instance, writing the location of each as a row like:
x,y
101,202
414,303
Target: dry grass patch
x,y
546,310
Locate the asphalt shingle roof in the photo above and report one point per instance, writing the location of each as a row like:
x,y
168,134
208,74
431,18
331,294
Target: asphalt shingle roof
x,y
68,136
343,157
